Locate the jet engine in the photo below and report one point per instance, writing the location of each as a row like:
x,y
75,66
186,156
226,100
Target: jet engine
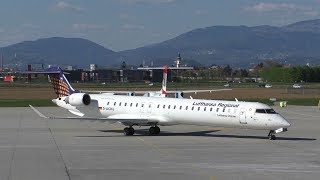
x,y
131,93
78,99
178,95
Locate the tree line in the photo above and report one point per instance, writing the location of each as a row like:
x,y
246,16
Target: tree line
x,y
291,74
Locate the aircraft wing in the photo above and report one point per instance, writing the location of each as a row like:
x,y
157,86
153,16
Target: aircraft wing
x,y
117,92
199,91
123,118
168,92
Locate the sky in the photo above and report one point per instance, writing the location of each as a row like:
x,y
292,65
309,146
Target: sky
x,y
127,24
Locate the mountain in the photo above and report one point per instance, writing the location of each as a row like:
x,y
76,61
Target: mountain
x,y
312,26
58,51
239,46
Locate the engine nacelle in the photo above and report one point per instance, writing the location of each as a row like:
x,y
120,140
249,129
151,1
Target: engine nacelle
x,y
131,93
178,95
78,99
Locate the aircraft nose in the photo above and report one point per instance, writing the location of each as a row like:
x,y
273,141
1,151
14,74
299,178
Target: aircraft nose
x,y
285,123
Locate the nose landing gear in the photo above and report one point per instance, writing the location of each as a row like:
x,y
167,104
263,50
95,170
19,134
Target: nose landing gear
x,y
272,135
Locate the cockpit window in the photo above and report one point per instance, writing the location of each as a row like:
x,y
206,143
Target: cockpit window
x,y
266,111
260,111
271,111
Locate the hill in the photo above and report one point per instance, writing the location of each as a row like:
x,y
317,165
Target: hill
x,y
58,51
240,46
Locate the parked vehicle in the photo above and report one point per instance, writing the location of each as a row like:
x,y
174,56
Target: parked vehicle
x,y
296,86
268,86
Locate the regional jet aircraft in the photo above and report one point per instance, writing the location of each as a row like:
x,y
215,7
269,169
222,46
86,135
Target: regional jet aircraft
x,y
154,112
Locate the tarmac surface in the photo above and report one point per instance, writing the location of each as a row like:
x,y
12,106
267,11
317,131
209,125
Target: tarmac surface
x,y
36,148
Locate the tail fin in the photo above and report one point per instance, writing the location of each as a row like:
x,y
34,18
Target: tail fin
x,y
164,81
60,83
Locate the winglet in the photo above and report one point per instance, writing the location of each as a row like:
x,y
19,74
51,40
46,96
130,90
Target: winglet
x,y
38,112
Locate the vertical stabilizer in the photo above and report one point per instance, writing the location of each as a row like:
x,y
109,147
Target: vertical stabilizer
x,y
164,81
60,83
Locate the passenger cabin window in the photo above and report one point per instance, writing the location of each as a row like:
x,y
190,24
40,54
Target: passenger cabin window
x,y
158,106
142,105
198,108
137,105
130,104
186,107
205,108
164,106
192,108
217,109
120,104
224,109
149,105
180,107
125,104
210,109
169,106
108,103
174,107
114,103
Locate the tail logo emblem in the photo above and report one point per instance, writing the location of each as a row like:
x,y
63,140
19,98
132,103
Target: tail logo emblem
x,y
61,88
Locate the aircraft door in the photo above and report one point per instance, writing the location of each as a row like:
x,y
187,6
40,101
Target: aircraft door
x,y
242,116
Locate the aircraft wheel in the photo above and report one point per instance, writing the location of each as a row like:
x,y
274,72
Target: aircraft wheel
x,y
128,131
152,130
157,130
132,131
271,135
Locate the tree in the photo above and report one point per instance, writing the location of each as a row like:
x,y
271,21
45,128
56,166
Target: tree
x,y
227,70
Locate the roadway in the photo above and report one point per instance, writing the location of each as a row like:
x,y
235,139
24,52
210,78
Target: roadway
x,y
36,148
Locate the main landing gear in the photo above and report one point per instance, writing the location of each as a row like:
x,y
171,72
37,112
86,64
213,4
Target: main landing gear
x,y
128,131
154,130
271,135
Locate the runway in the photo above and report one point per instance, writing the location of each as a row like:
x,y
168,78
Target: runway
x,y
35,148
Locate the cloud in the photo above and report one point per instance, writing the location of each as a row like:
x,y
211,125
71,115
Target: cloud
x,y
283,8
149,1
200,12
2,30
124,16
84,27
29,26
133,27
62,5
268,7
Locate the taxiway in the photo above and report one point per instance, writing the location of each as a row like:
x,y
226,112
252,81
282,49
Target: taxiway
x,y
36,148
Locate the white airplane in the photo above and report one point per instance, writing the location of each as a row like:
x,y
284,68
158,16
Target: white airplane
x,y
154,112
163,91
